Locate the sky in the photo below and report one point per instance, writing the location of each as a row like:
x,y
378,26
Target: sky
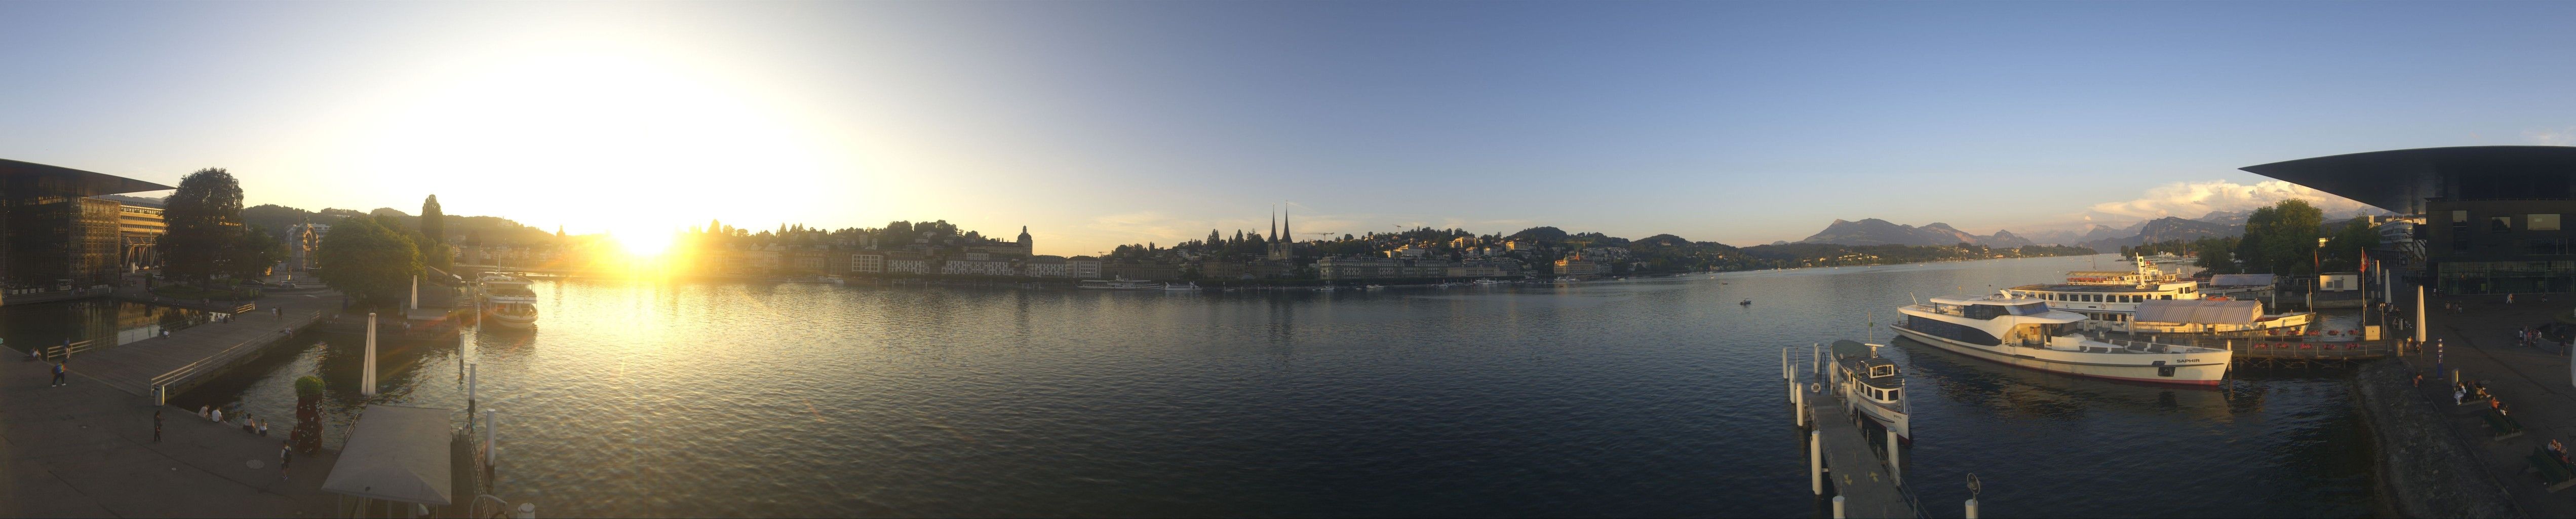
x,y
1100,123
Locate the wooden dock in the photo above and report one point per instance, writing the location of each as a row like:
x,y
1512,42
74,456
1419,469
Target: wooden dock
x,y
189,356
1856,470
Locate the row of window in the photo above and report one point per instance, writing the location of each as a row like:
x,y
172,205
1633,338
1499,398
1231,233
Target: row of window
x,y
2530,222
2102,298
1951,331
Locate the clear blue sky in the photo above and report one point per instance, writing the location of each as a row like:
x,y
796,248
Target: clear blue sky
x,y
1097,123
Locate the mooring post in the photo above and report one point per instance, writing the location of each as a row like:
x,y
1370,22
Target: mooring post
x,y
1816,462
491,455
472,383
1972,508
1838,507
1894,473
367,379
1798,406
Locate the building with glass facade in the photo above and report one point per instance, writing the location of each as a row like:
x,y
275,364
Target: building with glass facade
x,y
54,237
2491,216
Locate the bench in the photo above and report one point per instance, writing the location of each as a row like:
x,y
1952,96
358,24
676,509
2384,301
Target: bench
x,y
2554,474
2502,426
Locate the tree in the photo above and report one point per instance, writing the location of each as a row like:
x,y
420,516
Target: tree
x,y
2343,248
432,221
2282,239
368,261
258,250
433,234
2216,255
204,222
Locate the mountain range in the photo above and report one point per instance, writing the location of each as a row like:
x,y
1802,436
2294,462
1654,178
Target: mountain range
x,y
1873,231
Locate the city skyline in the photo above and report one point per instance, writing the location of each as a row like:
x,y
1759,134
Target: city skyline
x,y
1104,124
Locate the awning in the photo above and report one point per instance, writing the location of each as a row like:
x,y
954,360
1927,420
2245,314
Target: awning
x,y
396,453
2238,280
2200,311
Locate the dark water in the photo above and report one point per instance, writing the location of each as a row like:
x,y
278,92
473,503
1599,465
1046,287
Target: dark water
x,y
102,321
1638,398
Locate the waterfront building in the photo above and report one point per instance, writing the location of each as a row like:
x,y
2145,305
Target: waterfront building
x,y
906,262
1283,243
868,263
52,235
1082,267
1048,267
809,260
1575,265
1028,247
139,229
1476,269
977,265
2492,217
1141,270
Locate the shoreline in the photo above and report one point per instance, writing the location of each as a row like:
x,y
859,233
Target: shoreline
x,y
2421,467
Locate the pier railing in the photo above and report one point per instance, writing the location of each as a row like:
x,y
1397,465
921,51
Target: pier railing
x,y
160,384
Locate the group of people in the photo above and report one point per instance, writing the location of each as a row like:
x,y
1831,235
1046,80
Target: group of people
x,y
256,426
2463,392
2559,451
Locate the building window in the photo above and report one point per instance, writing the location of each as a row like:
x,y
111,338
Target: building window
x,y
2459,221
2546,246
2499,223
2540,222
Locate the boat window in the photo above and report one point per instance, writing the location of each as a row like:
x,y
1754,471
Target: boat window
x,y
2168,297
2030,309
1891,394
1881,371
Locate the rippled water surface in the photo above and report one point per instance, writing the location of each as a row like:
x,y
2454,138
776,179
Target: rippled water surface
x,y
1634,398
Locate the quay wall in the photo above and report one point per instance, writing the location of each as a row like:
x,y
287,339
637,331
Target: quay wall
x,y
2424,467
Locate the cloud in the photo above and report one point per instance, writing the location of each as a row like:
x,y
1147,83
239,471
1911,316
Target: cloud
x,y
2558,137
2195,199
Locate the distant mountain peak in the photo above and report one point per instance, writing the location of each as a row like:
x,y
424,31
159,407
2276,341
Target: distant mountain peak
x,y
1873,231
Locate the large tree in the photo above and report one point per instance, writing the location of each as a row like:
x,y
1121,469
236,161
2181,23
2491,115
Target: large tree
x,y
433,233
432,220
2282,239
204,221
2343,252
258,250
367,260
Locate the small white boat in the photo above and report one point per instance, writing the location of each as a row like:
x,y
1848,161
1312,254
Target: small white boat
x,y
1871,385
1376,287
1183,287
1487,281
1327,288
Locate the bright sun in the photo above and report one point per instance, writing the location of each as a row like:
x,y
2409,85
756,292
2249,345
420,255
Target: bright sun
x,y
644,245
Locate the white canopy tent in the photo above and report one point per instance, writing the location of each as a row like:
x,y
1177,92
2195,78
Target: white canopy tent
x,y
396,453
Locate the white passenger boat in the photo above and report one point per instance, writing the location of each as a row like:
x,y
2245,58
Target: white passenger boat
x,y
1118,284
2109,299
507,301
2023,331
1871,385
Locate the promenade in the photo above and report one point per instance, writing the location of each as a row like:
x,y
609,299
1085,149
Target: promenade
x,y
132,367
86,450
2533,380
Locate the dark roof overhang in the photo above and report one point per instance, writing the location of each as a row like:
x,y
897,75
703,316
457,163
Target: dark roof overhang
x,y
28,179
2396,179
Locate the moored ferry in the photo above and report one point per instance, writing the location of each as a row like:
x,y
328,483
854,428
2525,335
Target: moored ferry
x,y
2024,331
2109,301
1872,385
507,301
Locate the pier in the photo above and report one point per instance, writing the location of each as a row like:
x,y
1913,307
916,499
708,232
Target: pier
x,y
1864,480
175,363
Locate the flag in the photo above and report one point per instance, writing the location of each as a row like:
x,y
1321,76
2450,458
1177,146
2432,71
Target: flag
x,y
2365,261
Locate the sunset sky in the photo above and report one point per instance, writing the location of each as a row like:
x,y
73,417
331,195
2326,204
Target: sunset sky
x,y
1098,123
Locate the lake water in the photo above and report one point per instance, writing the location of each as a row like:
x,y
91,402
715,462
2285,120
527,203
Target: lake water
x,y
1635,398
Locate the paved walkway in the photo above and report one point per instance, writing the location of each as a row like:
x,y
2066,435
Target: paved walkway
x,y
2533,381
130,367
86,450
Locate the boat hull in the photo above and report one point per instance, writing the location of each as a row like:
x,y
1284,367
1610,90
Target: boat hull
x,y
512,321
2203,374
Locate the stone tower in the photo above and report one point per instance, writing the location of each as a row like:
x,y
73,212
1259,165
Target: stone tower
x,y
1027,247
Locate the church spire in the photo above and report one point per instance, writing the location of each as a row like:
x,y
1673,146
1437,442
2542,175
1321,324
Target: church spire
x,y
1285,234
1274,224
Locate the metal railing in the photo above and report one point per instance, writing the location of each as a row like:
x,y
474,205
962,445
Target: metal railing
x,y
160,384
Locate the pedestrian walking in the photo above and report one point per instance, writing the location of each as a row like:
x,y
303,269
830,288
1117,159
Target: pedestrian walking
x,y
285,456
58,374
156,426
